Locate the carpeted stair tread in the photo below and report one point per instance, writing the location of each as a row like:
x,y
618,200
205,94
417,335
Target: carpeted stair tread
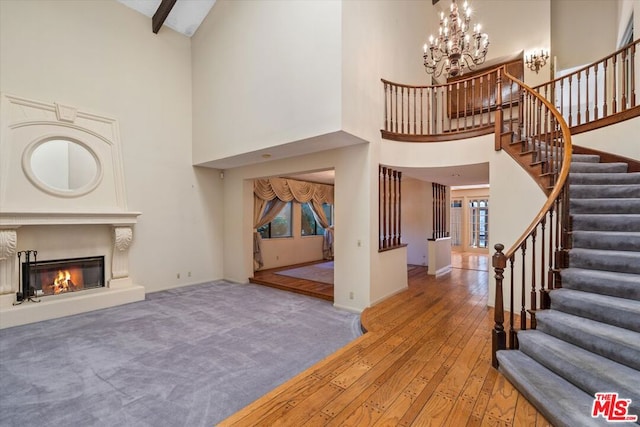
x,y
609,240
582,191
585,370
605,206
562,403
618,344
615,284
620,312
604,178
608,222
599,259
583,167
585,158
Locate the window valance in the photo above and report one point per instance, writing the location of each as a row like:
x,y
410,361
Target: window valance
x,y
287,190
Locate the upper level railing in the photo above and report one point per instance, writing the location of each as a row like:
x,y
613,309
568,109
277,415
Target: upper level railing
x,y
454,110
598,91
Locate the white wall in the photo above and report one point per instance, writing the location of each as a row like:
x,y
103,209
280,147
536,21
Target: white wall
x,y
417,215
101,56
265,73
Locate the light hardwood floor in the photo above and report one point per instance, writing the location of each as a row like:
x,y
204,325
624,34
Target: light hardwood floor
x,y
425,360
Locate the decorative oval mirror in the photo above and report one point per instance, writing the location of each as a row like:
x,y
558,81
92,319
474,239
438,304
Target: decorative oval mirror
x,y
62,166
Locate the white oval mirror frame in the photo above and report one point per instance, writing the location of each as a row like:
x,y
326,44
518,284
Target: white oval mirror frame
x,y
62,166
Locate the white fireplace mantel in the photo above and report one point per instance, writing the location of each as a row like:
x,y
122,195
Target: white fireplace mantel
x,y
18,219
61,166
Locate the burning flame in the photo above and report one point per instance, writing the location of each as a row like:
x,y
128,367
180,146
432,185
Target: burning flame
x,y
62,282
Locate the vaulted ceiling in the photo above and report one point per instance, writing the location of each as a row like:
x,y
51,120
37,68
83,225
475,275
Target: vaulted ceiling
x,y
185,16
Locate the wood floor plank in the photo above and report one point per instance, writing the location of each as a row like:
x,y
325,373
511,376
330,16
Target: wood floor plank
x,y
425,361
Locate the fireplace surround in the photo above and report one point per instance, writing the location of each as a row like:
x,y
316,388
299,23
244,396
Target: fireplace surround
x,y
66,212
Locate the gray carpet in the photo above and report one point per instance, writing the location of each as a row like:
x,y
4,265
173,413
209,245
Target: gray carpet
x,y
589,340
185,357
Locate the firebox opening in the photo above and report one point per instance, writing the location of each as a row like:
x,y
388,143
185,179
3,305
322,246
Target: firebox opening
x,y
65,275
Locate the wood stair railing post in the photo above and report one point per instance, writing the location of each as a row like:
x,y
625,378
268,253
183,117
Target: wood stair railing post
x,y
498,336
498,116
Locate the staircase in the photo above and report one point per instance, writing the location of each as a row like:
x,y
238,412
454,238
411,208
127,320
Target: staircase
x,y
589,340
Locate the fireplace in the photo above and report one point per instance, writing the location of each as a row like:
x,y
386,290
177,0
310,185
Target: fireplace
x,y
54,277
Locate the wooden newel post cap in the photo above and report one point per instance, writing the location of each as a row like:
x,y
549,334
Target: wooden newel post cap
x,y
499,259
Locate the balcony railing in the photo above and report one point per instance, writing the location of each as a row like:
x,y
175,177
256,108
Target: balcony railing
x,y
449,111
597,92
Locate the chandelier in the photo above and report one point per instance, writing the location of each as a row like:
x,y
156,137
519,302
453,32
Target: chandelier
x,y
454,49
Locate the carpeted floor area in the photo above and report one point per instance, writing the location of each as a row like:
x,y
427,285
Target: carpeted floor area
x,y
321,272
190,356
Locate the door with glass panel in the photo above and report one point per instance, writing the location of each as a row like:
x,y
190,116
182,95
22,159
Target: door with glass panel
x,y
478,223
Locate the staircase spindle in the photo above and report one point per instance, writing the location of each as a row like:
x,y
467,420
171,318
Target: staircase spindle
x,y
523,291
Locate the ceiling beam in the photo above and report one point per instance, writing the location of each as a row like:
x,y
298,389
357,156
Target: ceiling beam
x,y
161,14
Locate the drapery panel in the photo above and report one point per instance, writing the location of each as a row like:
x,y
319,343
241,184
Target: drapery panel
x,y
270,196
264,211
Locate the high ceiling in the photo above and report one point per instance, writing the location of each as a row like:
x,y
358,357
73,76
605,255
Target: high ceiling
x,y
185,16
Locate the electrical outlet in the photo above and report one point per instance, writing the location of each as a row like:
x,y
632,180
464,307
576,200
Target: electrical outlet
x,y
177,275
359,243
350,295
189,274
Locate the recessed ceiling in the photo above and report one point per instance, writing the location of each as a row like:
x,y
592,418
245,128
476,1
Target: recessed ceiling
x,y
451,175
185,17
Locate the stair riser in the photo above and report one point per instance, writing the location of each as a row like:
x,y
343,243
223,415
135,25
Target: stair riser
x,y
605,206
614,286
598,223
598,167
604,178
626,354
623,318
602,240
627,263
585,158
604,191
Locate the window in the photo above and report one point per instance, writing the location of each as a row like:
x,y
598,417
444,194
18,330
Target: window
x,y
280,226
479,223
311,227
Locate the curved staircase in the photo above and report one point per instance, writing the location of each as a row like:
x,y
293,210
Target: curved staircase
x,y
589,340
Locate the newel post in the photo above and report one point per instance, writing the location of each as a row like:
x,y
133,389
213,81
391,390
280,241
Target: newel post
x,y
498,336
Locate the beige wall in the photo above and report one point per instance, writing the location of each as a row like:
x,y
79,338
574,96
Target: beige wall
x,y
101,56
417,215
598,30
265,73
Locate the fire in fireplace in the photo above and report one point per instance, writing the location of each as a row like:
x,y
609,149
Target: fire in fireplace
x,y
65,275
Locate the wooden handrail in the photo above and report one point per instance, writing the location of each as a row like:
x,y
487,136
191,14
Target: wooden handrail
x,y
537,133
605,59
596,91
564,171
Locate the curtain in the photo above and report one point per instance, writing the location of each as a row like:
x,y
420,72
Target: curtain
x,y
270,196
264,211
